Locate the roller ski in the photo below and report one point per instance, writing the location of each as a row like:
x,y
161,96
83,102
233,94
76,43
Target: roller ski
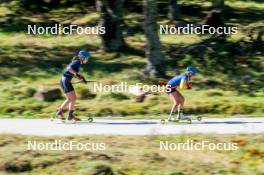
x,y
72,118
181,118
60,117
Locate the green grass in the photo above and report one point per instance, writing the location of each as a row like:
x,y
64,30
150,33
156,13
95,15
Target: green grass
x,y
133,155
209,103
30,62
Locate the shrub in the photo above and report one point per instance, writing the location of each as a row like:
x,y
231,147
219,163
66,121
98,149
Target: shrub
x,y
242,109
103,170
211,93
105,111
85,93
117,96
29,92
14,166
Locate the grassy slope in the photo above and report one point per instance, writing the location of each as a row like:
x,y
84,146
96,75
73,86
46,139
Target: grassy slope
x,y
134,155
39,60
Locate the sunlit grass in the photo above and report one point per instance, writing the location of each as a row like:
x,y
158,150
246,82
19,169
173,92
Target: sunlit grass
x,y
135,155
244,5
48,41
180,39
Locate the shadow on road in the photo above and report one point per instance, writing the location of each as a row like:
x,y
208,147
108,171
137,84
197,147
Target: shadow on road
x,y
116,123
156,122
228,122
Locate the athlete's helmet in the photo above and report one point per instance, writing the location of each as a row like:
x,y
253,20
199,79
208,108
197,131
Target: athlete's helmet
x,y
192,69
84,54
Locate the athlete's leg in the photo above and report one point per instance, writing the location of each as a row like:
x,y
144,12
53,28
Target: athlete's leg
x,y
65,104
181,101
67,87
72,99
62,108
173,97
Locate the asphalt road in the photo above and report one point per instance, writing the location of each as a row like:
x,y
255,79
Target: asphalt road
x,y
45,127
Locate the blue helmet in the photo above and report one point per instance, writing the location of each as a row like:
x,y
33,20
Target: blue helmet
x,y
192,69
84,54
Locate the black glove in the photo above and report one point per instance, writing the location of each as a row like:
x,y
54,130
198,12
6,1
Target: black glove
x,y
80,77
84,80
189,85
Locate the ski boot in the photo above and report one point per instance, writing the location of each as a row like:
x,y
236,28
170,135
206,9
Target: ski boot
x,y
182,117
59,115
72,117
173,119
169,119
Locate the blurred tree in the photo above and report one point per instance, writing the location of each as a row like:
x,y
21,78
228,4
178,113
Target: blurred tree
x,y
215,19
219,4
112,19
154,67
174,10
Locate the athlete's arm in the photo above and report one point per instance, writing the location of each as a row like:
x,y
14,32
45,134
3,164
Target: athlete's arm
x,y
73,72
78,75
72,69
185,83
189,84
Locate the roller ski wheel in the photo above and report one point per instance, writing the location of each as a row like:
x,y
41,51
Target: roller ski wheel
x,y
162,121
199,118
90,119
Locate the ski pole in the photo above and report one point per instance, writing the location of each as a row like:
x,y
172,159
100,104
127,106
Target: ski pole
x,y
76,82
